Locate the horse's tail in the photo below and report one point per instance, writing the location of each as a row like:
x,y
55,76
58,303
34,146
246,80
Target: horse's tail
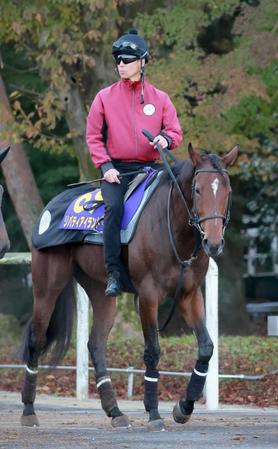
x,y
58,335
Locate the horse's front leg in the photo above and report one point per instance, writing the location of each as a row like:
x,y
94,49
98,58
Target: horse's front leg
x,y
104,312
192,310
148,315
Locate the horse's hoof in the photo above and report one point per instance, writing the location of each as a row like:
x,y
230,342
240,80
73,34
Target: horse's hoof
x,y
179,416
121,421
29,420
157,425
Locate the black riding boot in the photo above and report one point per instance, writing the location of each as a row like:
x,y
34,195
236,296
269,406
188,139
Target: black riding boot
x,y
113,287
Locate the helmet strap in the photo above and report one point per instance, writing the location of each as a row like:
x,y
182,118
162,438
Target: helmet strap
x,y
142,72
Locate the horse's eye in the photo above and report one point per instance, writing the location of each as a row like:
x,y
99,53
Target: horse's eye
x,y
197,190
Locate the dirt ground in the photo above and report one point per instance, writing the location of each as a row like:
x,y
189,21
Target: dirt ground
x,y
66,423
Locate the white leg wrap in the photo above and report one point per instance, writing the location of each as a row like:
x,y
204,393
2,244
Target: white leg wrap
x,y
103,380
151,379
31,371
199,373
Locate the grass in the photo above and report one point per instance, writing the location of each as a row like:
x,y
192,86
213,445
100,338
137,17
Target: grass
x,y
248,355
237,355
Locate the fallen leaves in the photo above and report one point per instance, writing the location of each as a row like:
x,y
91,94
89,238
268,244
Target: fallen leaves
x,y
237,355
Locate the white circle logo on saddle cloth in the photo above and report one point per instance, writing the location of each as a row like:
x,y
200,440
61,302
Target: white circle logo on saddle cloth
x,y
149,109
44,222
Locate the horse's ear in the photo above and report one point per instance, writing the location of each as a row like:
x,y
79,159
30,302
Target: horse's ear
x,y
230,157
194,155
3,153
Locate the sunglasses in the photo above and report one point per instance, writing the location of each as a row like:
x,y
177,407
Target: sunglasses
x,y
127,59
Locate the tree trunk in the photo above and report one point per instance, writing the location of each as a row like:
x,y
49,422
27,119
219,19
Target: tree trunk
x,y
75,115
233,318
18,174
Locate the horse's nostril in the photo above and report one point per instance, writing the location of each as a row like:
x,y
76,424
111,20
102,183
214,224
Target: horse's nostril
x,y
213,250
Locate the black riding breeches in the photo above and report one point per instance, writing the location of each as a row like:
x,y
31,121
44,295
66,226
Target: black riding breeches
x,y
113,196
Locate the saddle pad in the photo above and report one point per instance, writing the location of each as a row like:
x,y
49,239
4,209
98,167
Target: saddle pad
x,y
76,215
132,211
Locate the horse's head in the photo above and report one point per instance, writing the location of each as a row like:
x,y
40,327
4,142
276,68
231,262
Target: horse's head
x,y
211,197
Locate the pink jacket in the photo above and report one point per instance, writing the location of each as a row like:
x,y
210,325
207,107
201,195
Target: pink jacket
x,y
117,117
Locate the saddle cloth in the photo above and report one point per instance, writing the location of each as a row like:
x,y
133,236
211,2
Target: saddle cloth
x,y
76,215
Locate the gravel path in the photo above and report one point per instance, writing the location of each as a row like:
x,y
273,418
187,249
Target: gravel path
x,y
69,424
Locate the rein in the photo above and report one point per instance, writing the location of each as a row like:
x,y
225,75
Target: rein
x,y
121,175
185,264
194,221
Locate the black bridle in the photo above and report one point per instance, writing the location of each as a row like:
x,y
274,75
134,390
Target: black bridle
x,y
195,219
193,216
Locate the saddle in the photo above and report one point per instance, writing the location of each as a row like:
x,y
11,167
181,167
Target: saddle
x,y
76,215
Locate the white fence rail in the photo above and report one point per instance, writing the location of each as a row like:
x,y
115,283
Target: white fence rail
x,y
82,360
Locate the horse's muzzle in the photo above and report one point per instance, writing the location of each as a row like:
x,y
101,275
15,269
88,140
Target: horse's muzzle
x,y
213,250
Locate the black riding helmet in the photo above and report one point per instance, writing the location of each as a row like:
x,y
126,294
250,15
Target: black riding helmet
x,y
131,44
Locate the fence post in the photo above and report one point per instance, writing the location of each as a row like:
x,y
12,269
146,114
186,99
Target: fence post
x,y
130,382
212,383
82,335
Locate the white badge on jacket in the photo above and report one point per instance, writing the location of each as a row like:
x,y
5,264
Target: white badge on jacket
x,y
149,109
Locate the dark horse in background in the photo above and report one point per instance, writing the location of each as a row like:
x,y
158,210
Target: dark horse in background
x,y
189,207
4,239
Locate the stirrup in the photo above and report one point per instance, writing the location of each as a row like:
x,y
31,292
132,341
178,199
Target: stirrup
x,y
113,287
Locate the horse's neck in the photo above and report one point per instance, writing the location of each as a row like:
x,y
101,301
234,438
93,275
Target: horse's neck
x,y
179,210
183,233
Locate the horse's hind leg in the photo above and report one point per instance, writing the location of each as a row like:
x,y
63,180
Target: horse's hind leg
x,y
193,311
36,338
148,315
104,312
28,393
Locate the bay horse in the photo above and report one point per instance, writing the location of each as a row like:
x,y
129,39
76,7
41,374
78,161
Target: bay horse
x,y
191,205
4,239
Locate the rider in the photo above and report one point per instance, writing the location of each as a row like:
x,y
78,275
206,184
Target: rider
x,y
116,144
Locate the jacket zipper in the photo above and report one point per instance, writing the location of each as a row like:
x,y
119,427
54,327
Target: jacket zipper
x,y
134,123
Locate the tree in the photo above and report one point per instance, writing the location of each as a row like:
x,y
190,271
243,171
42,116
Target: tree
x,y
18,174
214,57
70,45
218,61
65,45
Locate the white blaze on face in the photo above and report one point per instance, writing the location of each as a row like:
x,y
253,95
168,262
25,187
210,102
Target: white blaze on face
x,y
214,186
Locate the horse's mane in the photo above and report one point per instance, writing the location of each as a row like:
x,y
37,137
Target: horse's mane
x,y
183,170
215,161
